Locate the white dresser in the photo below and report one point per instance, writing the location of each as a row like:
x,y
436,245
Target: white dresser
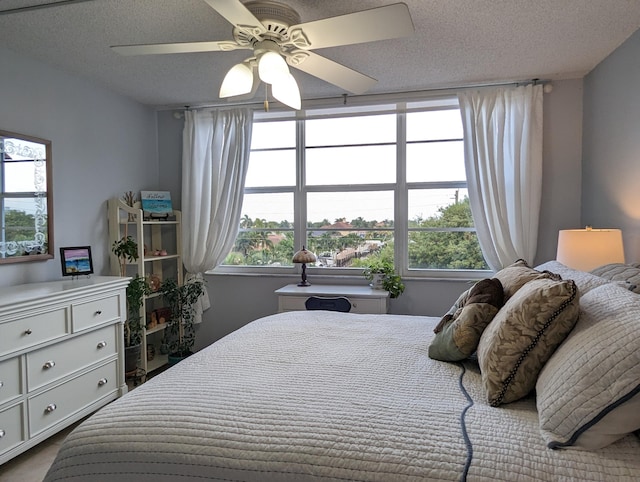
x,y
61,356
363,299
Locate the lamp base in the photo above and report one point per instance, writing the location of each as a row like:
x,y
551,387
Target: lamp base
x,y
304,283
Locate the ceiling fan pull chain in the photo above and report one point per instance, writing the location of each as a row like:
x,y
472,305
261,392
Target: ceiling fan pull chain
x,y
266,97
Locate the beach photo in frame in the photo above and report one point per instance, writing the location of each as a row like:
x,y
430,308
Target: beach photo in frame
x,y
76,260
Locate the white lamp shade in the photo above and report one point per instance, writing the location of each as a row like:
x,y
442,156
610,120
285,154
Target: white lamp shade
x,y
286,91
238,81
272,67
586,249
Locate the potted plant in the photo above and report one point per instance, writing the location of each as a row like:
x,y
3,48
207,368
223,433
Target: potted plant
x,y
382,274
180,333
136,291
126,249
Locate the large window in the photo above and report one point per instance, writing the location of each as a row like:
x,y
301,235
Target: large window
x,y
353,183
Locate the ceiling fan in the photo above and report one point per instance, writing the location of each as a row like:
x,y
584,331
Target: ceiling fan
x,y
274,34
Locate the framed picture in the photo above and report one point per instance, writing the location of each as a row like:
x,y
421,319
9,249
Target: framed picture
x,y
76,260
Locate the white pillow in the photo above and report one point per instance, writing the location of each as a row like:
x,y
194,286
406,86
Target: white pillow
x,y
584,281
588,393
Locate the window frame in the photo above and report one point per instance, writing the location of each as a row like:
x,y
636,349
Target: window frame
x,y
399,186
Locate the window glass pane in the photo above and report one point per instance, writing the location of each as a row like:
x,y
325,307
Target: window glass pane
x,y
270,210
351,130
25,176
351,165
348,249
439,208
435,161
357,206
269,248
445,250
434,125
24,226
273,134
272,168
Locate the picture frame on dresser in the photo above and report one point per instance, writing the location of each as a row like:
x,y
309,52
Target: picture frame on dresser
x,y
76,261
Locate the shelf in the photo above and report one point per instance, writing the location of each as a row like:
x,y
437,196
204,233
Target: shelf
x,y
157,328
150,235
159,258
159,360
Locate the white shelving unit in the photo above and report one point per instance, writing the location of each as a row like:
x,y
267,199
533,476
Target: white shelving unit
x,y
151,236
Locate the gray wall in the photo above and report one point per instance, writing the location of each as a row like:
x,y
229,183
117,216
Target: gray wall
x,y
103,145
236,300
611,145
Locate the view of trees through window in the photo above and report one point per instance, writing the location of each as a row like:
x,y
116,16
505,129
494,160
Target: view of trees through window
x,y
387,181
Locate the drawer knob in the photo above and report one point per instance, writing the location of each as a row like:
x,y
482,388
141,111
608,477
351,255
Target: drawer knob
x,y
98,312
49,364
28,331
50,408
1,384
102,344
102,381
1,433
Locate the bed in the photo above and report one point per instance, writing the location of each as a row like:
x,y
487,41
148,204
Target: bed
x,y
331,396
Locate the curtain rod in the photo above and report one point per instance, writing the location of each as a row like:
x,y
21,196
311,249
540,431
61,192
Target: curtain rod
x,y
366,98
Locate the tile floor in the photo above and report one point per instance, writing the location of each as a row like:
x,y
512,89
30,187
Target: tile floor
x,y
32,465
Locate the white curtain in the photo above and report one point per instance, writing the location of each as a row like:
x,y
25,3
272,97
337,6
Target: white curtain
x,y
215,157
503,160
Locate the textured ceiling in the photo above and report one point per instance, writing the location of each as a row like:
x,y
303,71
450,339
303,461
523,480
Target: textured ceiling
x,y
456,42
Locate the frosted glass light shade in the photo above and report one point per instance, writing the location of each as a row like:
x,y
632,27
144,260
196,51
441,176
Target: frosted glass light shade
x,y
238,81
586,249
286,91
272,67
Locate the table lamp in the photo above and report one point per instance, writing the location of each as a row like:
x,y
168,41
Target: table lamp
x,y
303,256
586,249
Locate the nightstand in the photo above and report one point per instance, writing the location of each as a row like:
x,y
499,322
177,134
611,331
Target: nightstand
x,y
363,299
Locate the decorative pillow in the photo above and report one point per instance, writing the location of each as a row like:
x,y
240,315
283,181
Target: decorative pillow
x,y
628,273
515,276
523,335
584,281
588,393
457,335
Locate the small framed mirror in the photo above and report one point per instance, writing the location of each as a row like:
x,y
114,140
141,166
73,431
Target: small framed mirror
x,y
26,206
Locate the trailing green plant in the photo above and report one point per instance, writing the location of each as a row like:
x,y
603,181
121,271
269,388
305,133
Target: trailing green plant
x,y
180,333
391,281
137,289
126,249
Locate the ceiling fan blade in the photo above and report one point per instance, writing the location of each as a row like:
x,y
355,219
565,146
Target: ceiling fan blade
x,y
238,15
177,48
391,21
330,71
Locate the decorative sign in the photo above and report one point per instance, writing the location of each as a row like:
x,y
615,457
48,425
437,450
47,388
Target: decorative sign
x,y
156,204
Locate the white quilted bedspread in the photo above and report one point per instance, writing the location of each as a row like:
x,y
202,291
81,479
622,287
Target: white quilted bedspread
x,y
320,396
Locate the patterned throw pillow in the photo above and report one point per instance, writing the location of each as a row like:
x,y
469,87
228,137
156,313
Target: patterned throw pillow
x,y
515,276
523,335
459,331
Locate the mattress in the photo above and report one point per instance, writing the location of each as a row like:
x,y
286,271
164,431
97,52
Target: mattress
x,y
324,396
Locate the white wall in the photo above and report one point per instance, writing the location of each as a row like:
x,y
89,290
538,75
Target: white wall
x,y
611,145
103,145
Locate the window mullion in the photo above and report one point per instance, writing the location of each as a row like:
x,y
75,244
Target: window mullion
x,y
400,209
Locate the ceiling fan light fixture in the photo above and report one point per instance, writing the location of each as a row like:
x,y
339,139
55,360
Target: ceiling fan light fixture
x,y
286,91
272,68
238,81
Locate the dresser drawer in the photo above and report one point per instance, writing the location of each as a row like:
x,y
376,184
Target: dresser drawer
x,y
95,312
33,329
59,360
56,404
11,430
368,305
10,379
